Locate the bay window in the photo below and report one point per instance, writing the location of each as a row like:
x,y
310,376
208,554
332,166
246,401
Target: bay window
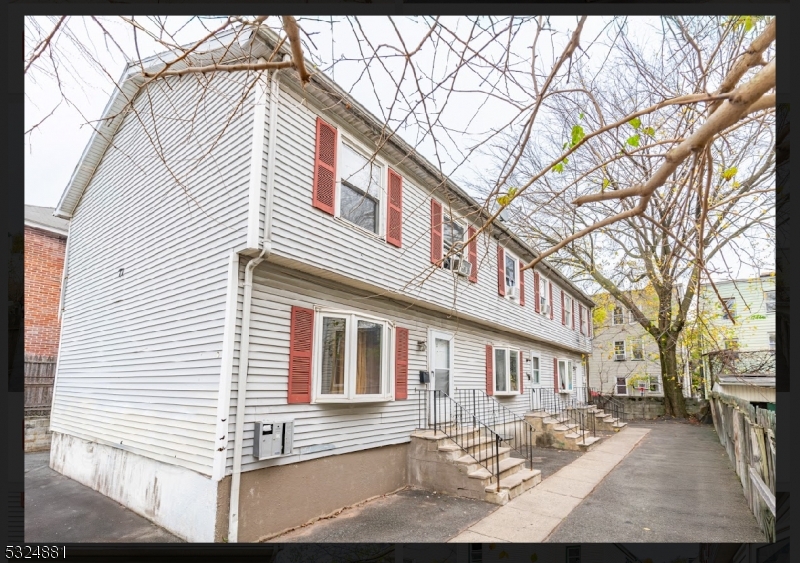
x,y
507,371
352,357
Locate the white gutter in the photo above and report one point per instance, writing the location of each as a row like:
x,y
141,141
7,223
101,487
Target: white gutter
x,y
241,387
64,276
256,163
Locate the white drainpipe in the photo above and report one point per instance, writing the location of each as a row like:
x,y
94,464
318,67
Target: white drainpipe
x,y
241,394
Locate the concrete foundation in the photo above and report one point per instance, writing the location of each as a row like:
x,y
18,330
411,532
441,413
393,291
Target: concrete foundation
x,y
276,499
649,408
37,433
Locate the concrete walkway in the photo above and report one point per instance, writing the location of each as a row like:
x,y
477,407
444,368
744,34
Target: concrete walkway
x,y
532,516
60,510
678,485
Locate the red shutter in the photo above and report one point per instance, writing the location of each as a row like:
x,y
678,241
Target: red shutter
x,y
301,337
489,371
400,364
501,277
324,191
555,375
573,312
563,311
394,219
436,232
552,307
521,284
537,297
473,255
521,372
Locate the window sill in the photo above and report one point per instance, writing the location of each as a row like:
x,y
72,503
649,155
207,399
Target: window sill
x,y
506,393
358,229
333,400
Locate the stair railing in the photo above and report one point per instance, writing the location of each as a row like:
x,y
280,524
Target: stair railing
x,y
566,410
441,413
516,431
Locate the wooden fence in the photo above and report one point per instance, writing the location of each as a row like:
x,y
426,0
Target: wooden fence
x,y
40,373
748,434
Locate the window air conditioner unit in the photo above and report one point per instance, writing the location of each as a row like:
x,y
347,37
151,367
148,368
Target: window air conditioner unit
x,y
463,267
512,292
619,357
546,309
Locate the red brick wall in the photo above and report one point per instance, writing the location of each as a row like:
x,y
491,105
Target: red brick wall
x,y
44,263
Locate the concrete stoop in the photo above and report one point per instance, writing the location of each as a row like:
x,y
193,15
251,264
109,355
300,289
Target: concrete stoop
x,y
436,463
559,433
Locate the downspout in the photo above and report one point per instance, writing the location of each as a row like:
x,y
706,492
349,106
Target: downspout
x,y
266,245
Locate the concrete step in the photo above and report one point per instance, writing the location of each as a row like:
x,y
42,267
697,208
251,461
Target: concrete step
x,y
617,426
513,481
482,455
508,467
564,428
588,442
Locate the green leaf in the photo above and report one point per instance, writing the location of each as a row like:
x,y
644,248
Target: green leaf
x,y
564,145
650,132
605,183
757,317
503,200
729,173
635,123
577,135
748,23
512,192
558,168
633,141
580,116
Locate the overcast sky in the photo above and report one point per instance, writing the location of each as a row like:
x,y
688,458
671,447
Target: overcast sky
x,y
53,148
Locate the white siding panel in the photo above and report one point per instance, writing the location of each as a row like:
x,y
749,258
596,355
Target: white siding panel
x,y
313,238
140,354
350,427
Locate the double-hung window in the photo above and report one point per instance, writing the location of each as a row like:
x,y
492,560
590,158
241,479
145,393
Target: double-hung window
x,y
771,337
352,357
570,319
769,299
544,296
637,349
360,199
619,351
536,363
507,370
453,232
618,317
511,272
565,375
730,303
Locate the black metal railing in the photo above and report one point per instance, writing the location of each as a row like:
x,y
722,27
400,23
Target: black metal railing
x,y
567,410
514,430
609,405
439,412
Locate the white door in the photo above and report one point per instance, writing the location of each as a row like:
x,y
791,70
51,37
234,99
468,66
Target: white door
x,y
440,362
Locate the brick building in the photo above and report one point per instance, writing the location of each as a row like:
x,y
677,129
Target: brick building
x,y
45,246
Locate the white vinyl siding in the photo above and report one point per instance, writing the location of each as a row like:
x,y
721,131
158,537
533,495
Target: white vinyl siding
x,y
330,248
140,353
329,429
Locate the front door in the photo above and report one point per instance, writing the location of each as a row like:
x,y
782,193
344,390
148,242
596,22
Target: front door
x,y
441,371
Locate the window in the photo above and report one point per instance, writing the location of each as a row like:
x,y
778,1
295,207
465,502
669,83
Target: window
x,y
511,271
452,240
619,351
506,371
568,312
769,299
730,303
361,189
731,343
637,349
583,319
536,368
352,357
618,317
655,385
574,554
771,336
565,375
544,296
622,386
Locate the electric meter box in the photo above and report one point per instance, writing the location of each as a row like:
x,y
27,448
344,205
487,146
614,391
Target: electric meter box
x,y
272,439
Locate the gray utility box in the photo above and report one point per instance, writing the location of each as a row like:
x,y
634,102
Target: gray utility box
x,y
272,439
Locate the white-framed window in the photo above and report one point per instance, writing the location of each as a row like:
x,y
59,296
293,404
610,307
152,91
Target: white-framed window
x,y
544,296
351,357
621,387
731,343
618,317
507,370
568,311
361,194
619,351
631,317
637,349
536,368
454,230
584,318
511,270
655,385
566,375
769,300
730,303
771,337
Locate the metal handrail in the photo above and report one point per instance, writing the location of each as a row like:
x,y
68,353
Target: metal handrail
x,y
569,410
459,425
609,403
490,411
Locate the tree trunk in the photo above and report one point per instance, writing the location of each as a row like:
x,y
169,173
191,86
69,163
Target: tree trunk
x,y
674,402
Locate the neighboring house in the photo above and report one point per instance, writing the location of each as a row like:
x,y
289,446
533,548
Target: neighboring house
x,y
740,351
178,338
625,358
45,247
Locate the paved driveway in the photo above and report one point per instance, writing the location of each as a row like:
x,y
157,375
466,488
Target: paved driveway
x,y
677,486
60,510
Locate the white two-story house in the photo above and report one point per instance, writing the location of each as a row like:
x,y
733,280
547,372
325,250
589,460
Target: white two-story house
x,y
239,265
